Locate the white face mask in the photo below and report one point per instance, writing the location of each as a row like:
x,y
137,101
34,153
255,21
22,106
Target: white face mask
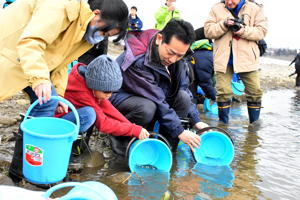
x,y
93,39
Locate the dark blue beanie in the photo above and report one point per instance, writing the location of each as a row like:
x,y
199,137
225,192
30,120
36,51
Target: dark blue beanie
x,y
104,74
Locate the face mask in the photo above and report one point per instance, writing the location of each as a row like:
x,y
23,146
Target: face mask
x,y
93,39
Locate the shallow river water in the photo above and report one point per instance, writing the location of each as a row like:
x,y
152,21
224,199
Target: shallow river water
x,y
265,165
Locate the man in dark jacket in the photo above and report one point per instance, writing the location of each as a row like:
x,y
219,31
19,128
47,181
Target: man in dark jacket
x,y
155,82
297,68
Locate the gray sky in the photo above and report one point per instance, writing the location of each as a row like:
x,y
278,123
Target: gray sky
x,y
284,23
283,31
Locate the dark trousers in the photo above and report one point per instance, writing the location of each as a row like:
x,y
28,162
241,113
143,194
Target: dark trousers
x,y
141,111
298,75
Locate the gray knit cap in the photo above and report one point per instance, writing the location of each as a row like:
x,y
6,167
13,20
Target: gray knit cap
x,y
104,74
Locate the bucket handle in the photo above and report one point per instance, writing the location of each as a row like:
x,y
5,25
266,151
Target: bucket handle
x,y
152,135
47,194
201,131
64,101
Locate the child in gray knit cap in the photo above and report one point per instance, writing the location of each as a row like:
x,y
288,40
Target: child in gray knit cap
x,y
88,89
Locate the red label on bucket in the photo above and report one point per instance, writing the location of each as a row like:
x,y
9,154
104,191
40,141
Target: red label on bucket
x,y
33,155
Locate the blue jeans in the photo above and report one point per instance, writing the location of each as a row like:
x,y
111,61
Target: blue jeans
x,y
87,117
44,110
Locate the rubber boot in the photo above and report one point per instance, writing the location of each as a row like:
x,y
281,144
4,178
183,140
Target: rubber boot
x,y
82,142
253,111
224,109
15,171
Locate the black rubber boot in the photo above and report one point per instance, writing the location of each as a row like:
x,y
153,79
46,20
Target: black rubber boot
x,y
224,109
15,171
253,111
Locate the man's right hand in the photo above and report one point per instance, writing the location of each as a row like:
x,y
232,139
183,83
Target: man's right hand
x,y
191,139
43,90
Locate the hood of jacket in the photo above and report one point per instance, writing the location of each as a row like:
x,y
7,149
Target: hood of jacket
x,y
137,44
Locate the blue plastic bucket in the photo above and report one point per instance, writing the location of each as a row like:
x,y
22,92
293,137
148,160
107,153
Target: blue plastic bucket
x,y
199,90
216,149
47,143
212,108
149,152
89,190
237,87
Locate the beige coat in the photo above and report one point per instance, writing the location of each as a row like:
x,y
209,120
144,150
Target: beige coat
x,y
245,50
38,39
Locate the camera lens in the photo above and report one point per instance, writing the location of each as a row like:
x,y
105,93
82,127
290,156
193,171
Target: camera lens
x,y
235,27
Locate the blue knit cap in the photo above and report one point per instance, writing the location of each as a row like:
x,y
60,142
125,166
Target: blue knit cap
x,y
104,74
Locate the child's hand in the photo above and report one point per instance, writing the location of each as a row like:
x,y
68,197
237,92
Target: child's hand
x,y
62,107
144,134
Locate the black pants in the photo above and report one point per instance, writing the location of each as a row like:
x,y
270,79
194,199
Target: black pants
x,y
141,111
298,75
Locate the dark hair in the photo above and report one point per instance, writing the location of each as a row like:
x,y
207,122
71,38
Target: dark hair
x,y
115,15
133,7
180,29
200,34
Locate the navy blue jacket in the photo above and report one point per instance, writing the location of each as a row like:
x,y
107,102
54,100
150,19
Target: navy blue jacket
x,y
203,65
137,21
143,75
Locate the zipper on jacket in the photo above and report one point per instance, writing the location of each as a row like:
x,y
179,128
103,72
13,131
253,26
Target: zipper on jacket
x,y
163,69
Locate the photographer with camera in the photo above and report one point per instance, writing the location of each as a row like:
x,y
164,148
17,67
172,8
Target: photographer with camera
x,y
135,23
235,26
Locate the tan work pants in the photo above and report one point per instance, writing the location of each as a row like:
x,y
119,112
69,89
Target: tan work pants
x,y
250,80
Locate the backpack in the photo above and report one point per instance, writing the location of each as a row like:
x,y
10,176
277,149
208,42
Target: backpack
x,y
262,46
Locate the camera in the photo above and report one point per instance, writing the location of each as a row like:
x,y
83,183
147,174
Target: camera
x,y
236,26
133,24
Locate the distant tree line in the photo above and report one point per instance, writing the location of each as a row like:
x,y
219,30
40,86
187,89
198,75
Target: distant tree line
x,y
281,53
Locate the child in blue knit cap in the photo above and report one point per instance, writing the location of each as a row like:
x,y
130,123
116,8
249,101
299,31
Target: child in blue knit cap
x,y
88,89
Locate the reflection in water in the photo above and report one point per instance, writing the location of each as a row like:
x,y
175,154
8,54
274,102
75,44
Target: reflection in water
x,y
155,184
215,179
245,166
192,180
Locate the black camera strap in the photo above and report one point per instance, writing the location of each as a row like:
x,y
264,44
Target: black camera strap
x,y
235,15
